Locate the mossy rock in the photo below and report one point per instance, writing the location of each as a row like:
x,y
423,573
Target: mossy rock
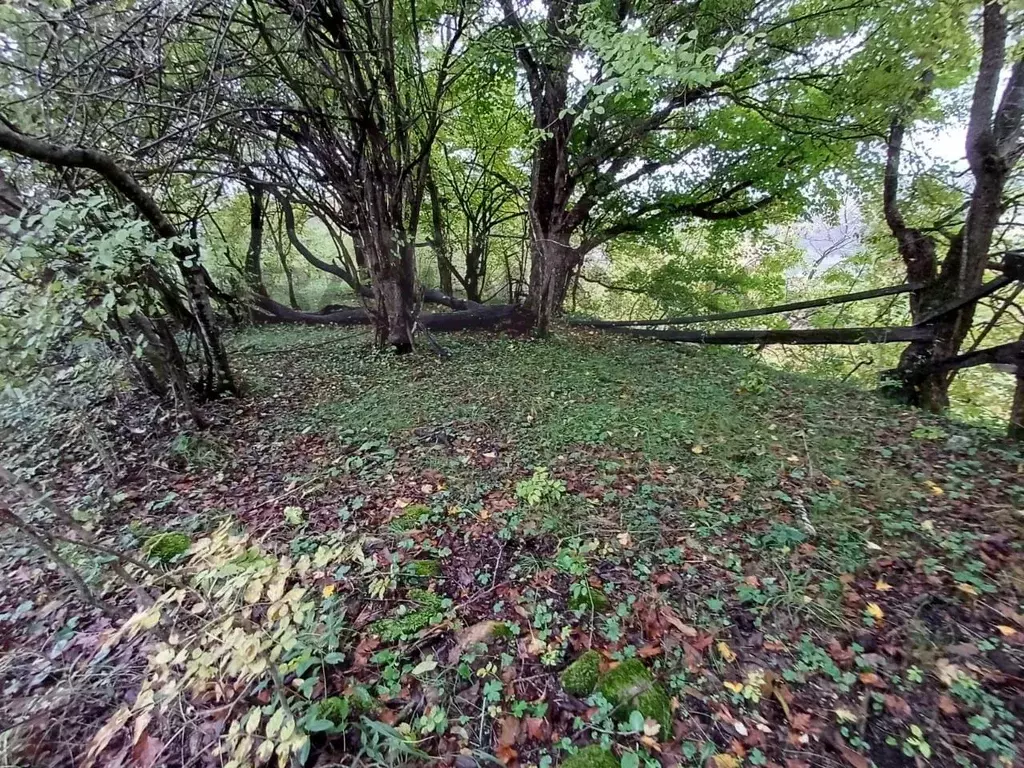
x,y
405,622
591,599
580,677
166,546
631,686
423,569
410,518
593,756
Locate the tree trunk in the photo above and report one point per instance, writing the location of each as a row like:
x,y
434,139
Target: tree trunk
x,y
1016,430
440,242
550,271
392,304
253,255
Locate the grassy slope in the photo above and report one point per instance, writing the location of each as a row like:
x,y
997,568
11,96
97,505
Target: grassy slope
x,y
808,569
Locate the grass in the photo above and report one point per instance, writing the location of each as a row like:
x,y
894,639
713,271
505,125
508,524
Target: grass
x,y
800,564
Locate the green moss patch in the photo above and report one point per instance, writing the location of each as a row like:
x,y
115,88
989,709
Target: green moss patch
x,y
405,622
631,686
580,677
166,546
424,569
591,599
592,757
411,517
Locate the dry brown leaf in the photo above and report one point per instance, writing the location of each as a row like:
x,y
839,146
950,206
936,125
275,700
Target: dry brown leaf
x,y
102,738
477,633
723,760
147,750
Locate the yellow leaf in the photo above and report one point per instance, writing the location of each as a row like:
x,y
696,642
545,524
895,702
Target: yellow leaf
x,y
723,760
967,589
329,590
253,592
881,586
698,449
1006,631
874,610
252,722
725,651
845,715
935,489
734,687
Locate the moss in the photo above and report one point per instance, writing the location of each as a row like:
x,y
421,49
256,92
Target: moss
x,y
580,677
425,569
631,686
503,631
592,597
404,622
593,756
334,709
410,518
166,546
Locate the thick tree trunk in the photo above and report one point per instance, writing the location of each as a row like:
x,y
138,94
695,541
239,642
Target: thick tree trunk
x,y
553,262
392,304
1016,430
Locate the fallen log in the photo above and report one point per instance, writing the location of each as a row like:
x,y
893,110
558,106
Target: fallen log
x,y
846,298
799,336
475,317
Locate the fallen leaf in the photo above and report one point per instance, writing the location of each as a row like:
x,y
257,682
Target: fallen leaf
x,y
538,728
147,750
723,760
881,586
698,449
684,629
105,735
845,715
855,759
477,633
947,706
967,589
734,687
898,706
624,539
508,731
648,651
874,610
872,679
725,651
935,488
651,727
329,590
1006,631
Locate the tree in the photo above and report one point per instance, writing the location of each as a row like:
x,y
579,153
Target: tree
x,y
993,147
651,112
352,97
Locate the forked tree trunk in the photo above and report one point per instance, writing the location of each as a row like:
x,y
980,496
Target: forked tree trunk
x,y
393,281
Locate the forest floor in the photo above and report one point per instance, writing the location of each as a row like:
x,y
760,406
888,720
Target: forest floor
x,y
814,576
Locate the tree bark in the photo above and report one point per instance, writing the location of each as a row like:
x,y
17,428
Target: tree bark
x,y
253,254
440,240
1016,429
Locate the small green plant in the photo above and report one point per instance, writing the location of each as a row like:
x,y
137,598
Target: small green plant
x,y
541,489
165,547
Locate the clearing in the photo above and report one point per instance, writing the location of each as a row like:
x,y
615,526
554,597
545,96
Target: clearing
x,y
814,576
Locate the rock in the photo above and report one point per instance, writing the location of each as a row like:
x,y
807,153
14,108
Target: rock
x,y
631,686
166,546
592,757
580,677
